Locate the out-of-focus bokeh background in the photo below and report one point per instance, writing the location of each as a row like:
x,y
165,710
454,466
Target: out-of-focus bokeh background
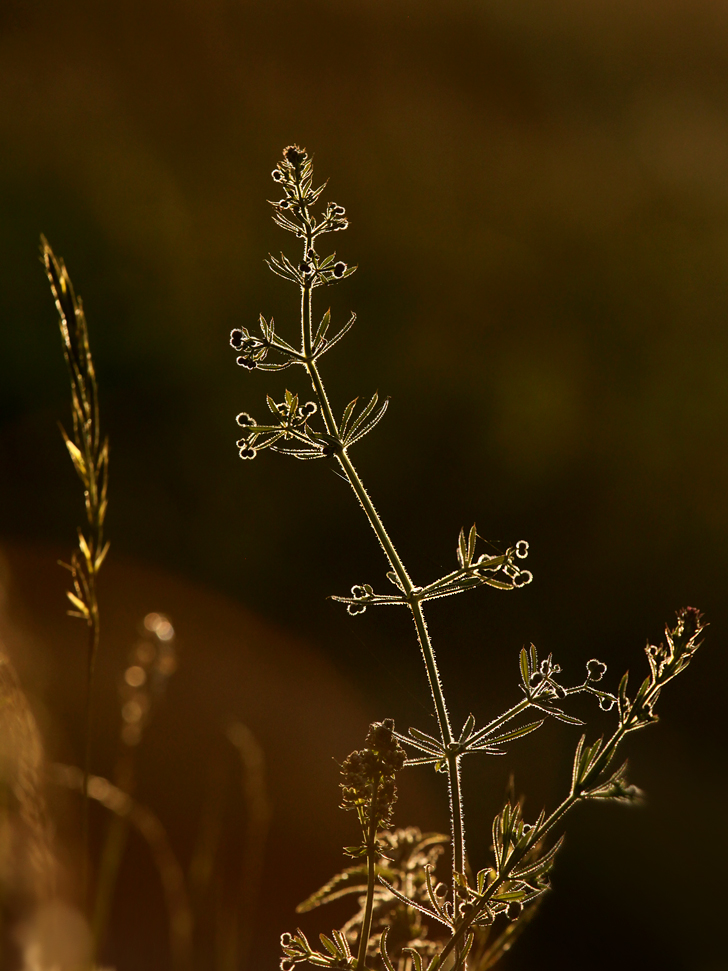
x,y
538,195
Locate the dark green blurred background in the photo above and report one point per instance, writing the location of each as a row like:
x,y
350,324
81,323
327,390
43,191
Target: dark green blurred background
x,y
538,195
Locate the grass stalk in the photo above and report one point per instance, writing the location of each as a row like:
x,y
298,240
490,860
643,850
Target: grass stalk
x,y
89,453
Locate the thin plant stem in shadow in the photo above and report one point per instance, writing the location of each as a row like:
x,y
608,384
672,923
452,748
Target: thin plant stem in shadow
x,y
148,825
152,661
238,939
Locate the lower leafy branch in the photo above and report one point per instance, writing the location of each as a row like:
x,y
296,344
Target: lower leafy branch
x,y
514,843
543,691
407,920
500,571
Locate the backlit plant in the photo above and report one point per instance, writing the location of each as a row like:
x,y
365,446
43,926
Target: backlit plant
x,y
407,919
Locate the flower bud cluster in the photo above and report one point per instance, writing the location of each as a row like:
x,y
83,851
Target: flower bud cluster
x,y
668,660
368,776
519,577
293,212
253,350
335,217
293,420
595,670
546,675
359,592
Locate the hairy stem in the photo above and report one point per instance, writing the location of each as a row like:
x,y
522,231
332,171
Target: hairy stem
x,y
410,590
375,521
366,926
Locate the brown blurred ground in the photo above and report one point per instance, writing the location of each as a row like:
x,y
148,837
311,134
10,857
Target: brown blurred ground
x,y
232,668
539,213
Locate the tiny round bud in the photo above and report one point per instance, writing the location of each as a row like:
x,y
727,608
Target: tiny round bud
x,y
294,155
246,362
247,451
358,592
339,269
244,420
595,670
522,549
523,578
236,338
277,175
354,609
606,703
514,910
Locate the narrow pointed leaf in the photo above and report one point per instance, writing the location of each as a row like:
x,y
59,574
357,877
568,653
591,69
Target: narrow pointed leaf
x,y
467,728
337,337
516,733
365,412
361,432
346,417
472,539
384,952
525,672
427,739
462,549
322,328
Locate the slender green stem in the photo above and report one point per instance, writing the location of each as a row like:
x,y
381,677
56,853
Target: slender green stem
x,y
366,926
410,590
428,652
453,760
109,864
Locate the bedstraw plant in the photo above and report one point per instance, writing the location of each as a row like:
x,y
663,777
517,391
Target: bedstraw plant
x,y
407,919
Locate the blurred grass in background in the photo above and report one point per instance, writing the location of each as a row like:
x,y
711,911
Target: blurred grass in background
x,y
539,204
